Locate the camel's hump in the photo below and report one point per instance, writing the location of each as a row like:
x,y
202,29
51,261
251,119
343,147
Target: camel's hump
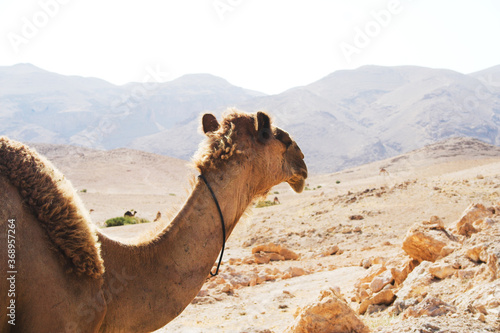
x,y
54,203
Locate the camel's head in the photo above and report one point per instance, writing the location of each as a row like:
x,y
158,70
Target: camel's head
x,y
250,144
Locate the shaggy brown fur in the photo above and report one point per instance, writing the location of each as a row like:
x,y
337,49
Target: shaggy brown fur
x,y
219,145
52,200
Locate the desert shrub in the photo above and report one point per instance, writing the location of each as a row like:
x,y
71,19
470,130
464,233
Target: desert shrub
x,y
264,203
117,221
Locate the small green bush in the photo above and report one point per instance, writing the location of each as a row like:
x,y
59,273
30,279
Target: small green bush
x,y
117,221
264,203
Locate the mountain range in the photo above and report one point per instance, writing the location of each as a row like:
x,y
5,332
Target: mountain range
x,y
348,118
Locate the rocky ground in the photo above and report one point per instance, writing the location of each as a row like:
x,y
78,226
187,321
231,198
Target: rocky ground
x,y
411,250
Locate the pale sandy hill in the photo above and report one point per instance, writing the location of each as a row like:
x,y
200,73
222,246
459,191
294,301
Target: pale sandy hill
x,y
112,182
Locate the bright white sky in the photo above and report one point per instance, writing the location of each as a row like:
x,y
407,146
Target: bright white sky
x,y
263,45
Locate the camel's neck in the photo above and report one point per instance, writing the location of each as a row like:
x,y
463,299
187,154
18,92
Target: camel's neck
x,y
149,285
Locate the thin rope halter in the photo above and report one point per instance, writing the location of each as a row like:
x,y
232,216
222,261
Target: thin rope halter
x,y
222,222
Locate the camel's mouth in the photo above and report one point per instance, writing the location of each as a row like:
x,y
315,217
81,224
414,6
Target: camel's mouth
x,y
298,185
298,181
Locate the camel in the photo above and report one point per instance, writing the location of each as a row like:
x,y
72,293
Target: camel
x,y
69,277
276,201
129,213
158,217
383,172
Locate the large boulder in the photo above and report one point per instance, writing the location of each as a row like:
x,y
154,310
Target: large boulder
x,y
426,241
471,217
330,313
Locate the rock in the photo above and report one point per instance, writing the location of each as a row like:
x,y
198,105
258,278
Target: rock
x,y
234,261
248,260
287,254
477,253
371,273
379,260
270,248
466,274
425,243
362,295
375,308
385,297
381,281
430,306
400,275
366,263
435,223
226,288
481,224
328,314
331,250
467,229
441,270
474,212
261,258
494,265
399,306
202,293
417,283
275,257
296,271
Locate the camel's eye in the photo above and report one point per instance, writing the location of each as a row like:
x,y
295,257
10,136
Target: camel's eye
x,y
283,137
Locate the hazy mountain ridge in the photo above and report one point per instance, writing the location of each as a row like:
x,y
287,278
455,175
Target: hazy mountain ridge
x,y
391,110
347,118
41,106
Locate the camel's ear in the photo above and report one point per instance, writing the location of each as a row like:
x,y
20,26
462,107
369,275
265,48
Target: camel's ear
x,y
210,123
264,132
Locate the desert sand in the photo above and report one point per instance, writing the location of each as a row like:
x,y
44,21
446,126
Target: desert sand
x,y
341,222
